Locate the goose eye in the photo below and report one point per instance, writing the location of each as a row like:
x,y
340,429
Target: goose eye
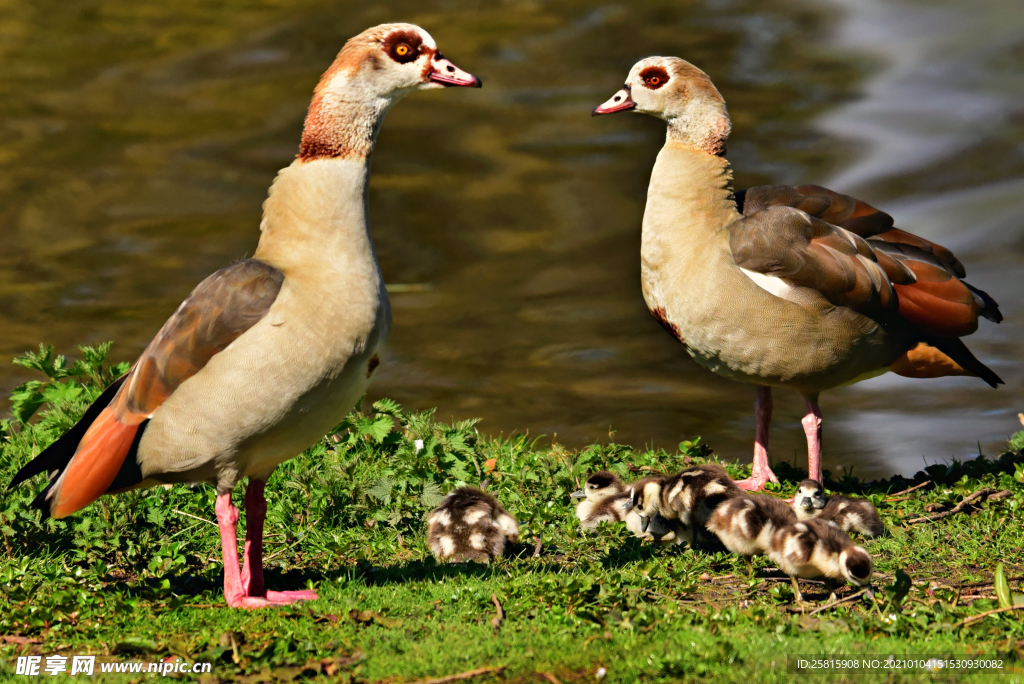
x,y
654,77
402,51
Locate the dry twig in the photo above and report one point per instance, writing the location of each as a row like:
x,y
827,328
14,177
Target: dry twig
x,y
978,496
907,491
469,674
500,617
195,517
975,618
838,601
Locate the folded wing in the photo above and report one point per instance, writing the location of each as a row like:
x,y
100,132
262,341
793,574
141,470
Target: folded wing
x,y
98,454
850,253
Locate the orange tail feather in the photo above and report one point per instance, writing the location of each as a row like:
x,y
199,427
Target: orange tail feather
x,y
96,463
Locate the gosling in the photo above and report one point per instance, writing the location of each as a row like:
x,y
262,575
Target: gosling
x,y
745,524
689,497
818,548
659,528
603,498
470,524
849,514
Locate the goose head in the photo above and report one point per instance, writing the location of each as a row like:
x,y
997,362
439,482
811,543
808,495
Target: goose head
x,y
599,486
679,93
373,71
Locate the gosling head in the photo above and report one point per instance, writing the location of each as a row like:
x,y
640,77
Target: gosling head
x,y
371,73
809,499
674,90
855,564
600,486
644,498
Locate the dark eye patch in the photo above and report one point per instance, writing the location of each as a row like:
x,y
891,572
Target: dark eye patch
x,y
654,77
403,46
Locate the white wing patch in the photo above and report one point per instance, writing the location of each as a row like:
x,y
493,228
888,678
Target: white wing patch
x,y
776,286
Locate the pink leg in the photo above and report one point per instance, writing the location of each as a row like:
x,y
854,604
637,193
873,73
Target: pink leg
x,y
237,584
761,472
252,566
812,428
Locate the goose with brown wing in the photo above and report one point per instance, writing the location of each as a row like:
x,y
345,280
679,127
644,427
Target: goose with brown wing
x,y
785,287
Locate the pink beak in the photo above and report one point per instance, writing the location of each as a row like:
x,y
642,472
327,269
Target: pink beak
x,y
621,101
447,74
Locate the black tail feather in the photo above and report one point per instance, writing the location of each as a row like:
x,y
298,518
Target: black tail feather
x,y
57,456
990,309
954,348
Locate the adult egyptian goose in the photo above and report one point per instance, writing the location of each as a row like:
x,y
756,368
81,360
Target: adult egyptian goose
x,y
796,287
268,354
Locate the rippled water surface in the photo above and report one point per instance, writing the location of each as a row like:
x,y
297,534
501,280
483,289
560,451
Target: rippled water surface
x,y
137,141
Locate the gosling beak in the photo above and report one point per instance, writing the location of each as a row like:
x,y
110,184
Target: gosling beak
x,y
644,523
578,495
447,74
627,505
622,101
807,503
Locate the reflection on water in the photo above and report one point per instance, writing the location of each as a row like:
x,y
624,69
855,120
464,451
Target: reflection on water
x,y
137,143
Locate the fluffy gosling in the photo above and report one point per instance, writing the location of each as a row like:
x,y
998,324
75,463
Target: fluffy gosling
x,y
689,497
745,524
849,514
818,548
470,524
603,498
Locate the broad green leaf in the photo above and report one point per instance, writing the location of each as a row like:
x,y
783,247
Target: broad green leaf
x,y
431,495
60,392
381,490
26,400
899,589
1002,588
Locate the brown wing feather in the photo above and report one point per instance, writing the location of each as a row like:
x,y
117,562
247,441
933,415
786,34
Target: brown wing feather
x,y
926,276
805,251
217,312
889,271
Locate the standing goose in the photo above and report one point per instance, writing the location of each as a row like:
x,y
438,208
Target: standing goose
x,y
796,287
268,354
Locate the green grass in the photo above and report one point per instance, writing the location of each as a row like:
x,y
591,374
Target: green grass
x,y
138,575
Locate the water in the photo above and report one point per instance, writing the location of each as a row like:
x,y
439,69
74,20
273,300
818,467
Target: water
x,y
137,143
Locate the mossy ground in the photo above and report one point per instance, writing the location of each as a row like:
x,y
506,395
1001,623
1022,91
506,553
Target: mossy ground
x,y
138,575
